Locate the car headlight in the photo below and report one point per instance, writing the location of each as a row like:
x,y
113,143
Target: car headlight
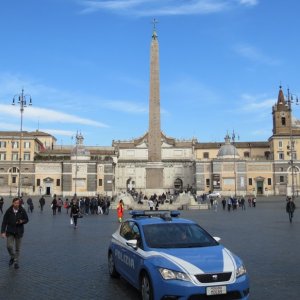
x,y
173,275
241,270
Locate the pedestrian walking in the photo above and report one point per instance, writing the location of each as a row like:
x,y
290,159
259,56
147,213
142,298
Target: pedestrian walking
x,y
54,205
42,202
74,213
249,202
87,203
224,203
215,204
290,208
13,229
1,204
151,204
229,203
234,203
59,205
211,200
107,206
243,206
120,210
29,205
67,205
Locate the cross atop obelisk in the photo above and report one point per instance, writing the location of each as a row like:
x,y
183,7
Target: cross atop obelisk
x,y
154,22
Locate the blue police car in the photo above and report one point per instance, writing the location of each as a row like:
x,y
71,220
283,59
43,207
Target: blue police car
x,y
166,258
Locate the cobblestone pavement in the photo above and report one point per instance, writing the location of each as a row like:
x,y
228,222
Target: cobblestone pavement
x,y
58,262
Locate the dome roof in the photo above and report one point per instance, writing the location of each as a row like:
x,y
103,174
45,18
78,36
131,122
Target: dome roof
x,y
227,150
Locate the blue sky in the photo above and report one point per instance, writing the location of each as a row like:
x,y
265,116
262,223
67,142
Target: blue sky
x,y
86,66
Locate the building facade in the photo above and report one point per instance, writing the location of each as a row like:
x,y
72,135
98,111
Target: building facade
x,y
32,163
232,168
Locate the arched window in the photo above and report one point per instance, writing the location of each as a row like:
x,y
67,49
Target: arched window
x,y
14,170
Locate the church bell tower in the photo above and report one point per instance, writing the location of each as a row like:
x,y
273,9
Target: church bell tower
x,y
282,116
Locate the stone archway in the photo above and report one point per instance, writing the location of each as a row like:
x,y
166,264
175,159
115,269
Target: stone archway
x,y
48,184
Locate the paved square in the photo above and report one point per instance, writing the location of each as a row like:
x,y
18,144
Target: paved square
x,y
58,262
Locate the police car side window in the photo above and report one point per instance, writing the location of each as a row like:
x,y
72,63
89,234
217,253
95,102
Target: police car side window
x,y
136,235
135,231
125,231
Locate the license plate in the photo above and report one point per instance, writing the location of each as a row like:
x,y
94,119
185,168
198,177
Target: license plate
x,y
216,290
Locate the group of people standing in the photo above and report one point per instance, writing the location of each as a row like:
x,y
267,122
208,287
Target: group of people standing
x,y
232,203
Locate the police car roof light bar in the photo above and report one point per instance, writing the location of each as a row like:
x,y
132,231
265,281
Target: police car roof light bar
x,y
157,213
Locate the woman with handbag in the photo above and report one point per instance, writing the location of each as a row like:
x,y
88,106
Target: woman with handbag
x,y
74,213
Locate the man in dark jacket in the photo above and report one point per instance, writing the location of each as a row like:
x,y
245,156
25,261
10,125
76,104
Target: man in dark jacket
x,y
290,207
42,203
13,229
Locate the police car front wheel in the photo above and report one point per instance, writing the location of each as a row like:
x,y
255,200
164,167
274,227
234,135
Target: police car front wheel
x,y
146,287
111,266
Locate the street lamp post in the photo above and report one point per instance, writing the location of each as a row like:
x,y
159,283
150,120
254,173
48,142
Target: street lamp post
x,y
292,98
11,169
21,99
76,169
234,162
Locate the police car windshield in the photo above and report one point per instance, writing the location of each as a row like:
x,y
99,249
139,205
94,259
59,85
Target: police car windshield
x,y
177,235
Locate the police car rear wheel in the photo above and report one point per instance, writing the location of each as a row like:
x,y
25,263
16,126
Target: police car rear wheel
x,y
111,266
146,287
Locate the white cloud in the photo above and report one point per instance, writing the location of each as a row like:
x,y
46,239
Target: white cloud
x,y
254,54
93,5
55,132
48,115
257,106
260,105
162,7
9,126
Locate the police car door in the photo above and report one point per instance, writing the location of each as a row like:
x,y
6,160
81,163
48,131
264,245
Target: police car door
x,y
131,259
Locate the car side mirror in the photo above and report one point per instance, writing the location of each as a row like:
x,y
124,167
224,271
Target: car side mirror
x,y
217,239
132,243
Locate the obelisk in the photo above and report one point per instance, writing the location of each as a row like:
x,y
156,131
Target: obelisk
x,y
154,168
